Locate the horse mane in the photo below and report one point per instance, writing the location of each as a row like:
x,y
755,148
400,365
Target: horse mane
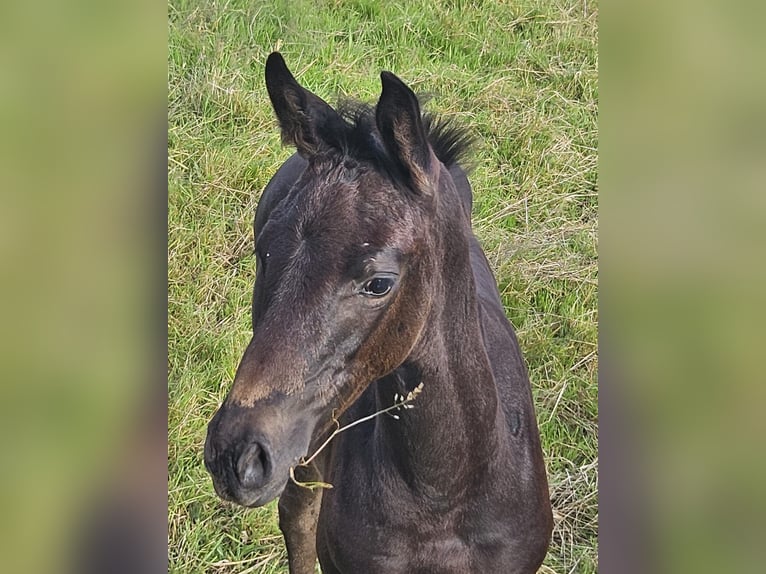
x,y
451,143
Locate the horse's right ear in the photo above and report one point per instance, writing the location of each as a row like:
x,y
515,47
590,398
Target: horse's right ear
x,y
302,115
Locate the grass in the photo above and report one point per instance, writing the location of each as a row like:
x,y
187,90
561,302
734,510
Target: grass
x,y
523,76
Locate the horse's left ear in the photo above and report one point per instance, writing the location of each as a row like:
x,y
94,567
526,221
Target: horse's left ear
x,y
401,128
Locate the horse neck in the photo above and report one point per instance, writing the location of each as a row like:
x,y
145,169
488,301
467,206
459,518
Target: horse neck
x,y
449,434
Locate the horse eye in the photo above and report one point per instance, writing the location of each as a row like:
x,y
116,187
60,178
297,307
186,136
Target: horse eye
x,y
378,286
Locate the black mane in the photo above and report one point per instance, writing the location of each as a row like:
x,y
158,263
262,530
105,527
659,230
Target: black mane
x,y
360,139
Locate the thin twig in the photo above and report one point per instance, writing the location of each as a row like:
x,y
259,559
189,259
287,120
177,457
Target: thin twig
x,y
399,403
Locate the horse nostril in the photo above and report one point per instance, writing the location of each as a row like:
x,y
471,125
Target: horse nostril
x,y
252,467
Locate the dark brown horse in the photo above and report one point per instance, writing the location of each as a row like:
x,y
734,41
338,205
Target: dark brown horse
x,y
369,284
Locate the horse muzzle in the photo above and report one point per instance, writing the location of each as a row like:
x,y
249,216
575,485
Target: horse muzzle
x,y
242,458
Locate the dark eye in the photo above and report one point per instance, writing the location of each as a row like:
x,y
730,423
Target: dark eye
x,y
378,286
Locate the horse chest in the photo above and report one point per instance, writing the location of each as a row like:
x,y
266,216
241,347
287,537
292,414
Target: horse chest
x,y
348,547
366,527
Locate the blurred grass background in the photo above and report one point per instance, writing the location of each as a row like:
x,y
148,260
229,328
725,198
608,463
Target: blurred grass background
x,y
523,77
82,200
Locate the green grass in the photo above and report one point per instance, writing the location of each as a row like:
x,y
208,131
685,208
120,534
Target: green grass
x,y
523,76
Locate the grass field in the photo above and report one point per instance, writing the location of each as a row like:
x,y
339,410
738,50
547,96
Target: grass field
x,y
523,76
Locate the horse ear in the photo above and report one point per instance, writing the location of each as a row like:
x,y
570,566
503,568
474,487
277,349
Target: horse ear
x,y
302,115
401,128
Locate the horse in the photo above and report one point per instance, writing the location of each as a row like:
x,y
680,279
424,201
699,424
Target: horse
x,y
375,313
